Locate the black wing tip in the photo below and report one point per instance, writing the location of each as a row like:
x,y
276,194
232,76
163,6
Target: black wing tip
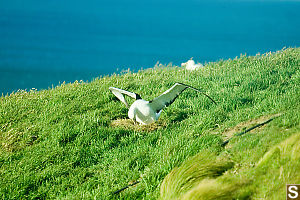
x,y
183,84
188,86
198,91
137,96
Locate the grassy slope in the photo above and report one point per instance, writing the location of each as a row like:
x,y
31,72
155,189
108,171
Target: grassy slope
x,y
59,143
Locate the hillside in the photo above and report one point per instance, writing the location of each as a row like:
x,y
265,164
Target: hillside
x,y
74,142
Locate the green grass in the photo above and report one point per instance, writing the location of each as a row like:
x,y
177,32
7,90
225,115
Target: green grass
x,y
60,143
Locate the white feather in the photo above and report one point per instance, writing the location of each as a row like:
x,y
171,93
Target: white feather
x,y
190,65
119,94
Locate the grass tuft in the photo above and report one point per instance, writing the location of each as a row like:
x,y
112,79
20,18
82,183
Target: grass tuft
x,y
193,173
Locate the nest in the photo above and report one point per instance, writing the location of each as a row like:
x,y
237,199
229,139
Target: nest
x,y
131,125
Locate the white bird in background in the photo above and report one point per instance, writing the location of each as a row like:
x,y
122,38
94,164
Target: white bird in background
x,y
147,112
190,65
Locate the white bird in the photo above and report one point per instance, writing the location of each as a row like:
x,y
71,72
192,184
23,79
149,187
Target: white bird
x,y
190,65
147,112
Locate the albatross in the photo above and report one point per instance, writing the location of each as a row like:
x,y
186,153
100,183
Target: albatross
x,y
190,65
147,112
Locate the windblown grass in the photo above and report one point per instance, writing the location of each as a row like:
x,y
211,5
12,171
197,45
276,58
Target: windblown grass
x,y
203,177
210,189
280,165
68,142
195,175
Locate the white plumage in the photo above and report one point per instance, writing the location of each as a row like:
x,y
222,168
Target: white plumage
x,y
190,65
147,112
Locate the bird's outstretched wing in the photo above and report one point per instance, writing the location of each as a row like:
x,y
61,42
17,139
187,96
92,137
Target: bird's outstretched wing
x,y
169,96
119,94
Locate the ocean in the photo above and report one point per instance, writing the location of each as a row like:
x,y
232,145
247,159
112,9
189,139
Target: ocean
x,y
44,43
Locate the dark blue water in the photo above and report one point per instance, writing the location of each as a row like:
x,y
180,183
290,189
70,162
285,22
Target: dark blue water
x,y
43,43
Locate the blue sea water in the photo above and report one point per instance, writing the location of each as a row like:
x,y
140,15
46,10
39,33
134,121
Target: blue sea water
x,y
43,43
